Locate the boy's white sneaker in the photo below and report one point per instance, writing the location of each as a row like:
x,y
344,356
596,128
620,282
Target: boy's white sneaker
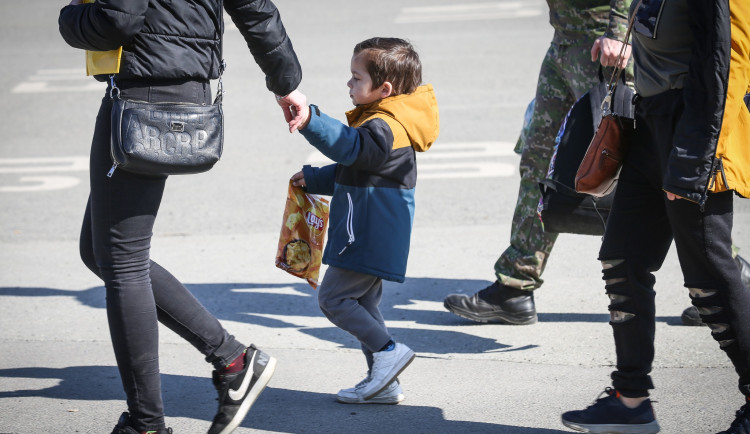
x,y
392,394
387,365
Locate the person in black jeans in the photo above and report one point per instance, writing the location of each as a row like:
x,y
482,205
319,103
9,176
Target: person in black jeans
x,y
687,161
170,52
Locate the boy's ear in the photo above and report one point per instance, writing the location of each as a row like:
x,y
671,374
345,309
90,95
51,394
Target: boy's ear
x,y
386,89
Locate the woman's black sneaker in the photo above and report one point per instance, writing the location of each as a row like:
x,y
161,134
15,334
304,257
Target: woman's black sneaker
x,y
123,427
238,391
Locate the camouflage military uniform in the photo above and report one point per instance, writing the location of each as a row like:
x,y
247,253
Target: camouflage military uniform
x,y
567,73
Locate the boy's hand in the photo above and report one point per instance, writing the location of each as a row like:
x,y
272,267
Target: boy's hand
x,y
295,109
298,180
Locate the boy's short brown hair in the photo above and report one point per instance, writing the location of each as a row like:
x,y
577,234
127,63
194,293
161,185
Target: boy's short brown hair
x,y
393,60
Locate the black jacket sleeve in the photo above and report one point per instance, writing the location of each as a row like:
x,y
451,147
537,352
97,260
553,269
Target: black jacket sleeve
x,y
101,26
692,160
260,24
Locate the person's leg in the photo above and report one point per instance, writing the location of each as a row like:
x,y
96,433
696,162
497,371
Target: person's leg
x,y
115,240
177,308
637,240
339,297
182,313
704,247
692,317
635,244
566,74
392,394
371,303
121,215
346,299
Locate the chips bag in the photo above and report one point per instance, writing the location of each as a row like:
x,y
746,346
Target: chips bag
x,y
302,235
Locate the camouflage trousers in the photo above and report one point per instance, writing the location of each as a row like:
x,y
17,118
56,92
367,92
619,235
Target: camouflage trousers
x,y
567,73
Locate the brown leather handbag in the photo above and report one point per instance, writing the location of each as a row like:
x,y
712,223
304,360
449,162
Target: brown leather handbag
x,y
597,175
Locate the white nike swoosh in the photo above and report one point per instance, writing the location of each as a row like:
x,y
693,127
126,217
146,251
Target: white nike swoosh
x,y
236,395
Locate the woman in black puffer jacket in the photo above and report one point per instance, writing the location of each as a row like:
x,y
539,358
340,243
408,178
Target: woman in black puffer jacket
x,y
171,49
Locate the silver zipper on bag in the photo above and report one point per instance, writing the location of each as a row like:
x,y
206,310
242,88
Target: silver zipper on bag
x,y
112,95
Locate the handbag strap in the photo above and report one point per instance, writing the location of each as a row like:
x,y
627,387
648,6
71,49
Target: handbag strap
x,y
114,91
617,72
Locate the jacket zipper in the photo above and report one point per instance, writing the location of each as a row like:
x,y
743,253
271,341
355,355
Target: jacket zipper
x,y
349,224
718,168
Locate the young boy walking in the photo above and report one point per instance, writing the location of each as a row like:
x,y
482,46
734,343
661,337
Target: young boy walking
x,y
372,206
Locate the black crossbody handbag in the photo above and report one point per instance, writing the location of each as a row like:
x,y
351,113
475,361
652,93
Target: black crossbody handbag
x,y
166,138
561,208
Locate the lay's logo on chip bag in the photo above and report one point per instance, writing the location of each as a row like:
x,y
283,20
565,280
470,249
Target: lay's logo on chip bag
x,y
314,221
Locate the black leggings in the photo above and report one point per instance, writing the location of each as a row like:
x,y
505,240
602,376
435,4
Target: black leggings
x,y
115,244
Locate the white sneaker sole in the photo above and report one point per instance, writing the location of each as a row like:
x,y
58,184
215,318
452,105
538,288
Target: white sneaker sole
x,y
391,400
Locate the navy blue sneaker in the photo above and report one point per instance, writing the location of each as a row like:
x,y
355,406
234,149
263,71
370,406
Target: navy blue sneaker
x,y
610,415
741,424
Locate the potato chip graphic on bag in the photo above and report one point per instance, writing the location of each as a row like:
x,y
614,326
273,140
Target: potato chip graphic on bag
x,y
303,231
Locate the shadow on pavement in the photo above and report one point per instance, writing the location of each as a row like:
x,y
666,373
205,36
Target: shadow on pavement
x,y
277,410
322,414
266,304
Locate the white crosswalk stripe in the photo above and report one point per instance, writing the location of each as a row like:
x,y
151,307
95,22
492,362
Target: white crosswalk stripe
x,y
41,169
467,12
457,160
59,80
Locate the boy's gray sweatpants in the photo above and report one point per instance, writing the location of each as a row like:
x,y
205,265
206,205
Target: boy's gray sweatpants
x,y
350,300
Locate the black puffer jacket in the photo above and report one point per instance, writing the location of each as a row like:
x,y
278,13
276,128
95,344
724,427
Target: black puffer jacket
x,y
181,39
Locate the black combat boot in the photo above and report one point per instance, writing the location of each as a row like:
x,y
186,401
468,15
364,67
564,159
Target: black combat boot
x,y
496,303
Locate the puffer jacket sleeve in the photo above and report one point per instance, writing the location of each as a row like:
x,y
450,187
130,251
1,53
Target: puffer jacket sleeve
x,y
320,180
260,24
691,161
103,25
366,147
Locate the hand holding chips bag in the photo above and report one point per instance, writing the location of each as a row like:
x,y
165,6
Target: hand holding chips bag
x,y
303,232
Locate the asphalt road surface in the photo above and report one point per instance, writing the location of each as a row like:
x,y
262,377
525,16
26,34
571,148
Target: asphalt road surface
x,y
218,232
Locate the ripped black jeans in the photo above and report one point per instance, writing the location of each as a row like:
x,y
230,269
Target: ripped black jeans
x,y
640,230
115,245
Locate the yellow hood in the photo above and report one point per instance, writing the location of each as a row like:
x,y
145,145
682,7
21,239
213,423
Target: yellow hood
x,y
417,113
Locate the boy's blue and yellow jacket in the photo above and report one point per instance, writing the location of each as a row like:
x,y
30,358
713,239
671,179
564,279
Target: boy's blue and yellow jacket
x,y
372,183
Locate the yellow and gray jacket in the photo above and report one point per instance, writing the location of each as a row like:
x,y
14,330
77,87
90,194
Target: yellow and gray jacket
x,y
711,150
372,183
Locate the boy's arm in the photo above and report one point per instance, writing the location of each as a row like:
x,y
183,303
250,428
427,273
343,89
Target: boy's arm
x,y
364,147
320,180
